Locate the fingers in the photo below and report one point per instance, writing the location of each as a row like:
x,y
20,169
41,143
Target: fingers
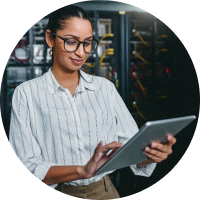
x,y
165,148
153,157
104,149
96,156
171,140
155,154
98,147
111,153
158,151
113,145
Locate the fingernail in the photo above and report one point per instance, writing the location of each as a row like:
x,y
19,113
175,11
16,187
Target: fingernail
x,y
147,149
153,145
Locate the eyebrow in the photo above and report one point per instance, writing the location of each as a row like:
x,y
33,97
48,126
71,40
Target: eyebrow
x,y
78,37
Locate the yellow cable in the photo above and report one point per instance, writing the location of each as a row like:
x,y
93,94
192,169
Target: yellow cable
x,y
145,61
107,35
142,39
142,88
109,51
101,60
141,58
162,97
161,36
161,50
89,65
141,115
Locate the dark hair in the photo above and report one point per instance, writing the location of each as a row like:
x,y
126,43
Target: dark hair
x,y
57,19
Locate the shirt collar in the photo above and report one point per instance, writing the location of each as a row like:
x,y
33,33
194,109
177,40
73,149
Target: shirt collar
x,y
85,82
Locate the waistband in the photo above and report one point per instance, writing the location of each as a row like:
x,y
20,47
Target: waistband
x,y
85,190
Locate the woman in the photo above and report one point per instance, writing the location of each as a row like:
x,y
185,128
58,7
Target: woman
x,y
64,123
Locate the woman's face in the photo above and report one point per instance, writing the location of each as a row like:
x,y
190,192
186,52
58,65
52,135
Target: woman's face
x,y
80,29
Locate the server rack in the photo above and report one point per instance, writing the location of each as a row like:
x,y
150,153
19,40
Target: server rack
x,y
147,41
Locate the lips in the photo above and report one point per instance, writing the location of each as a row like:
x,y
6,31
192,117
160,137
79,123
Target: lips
x,y
77,60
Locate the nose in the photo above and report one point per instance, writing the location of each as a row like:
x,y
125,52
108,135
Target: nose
x,y
80,51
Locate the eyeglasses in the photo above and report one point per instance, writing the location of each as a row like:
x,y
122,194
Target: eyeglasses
x,y
72,44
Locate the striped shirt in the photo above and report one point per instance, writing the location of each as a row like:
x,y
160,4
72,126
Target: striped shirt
x,y
50,127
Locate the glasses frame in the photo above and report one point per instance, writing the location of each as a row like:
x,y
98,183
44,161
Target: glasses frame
x,y
65,39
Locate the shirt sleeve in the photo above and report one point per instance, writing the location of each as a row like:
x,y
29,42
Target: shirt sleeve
x,y
126,129
21,138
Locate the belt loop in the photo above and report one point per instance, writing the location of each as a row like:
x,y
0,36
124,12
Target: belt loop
x,y
106,188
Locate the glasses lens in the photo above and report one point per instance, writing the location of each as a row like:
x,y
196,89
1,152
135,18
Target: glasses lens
x,y
90,46
71,45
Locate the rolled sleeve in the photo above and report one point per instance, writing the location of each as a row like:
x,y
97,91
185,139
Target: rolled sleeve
x,y
22,140
126,129
146,170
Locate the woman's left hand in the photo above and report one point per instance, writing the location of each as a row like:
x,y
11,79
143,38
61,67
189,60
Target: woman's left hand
x,y
157,152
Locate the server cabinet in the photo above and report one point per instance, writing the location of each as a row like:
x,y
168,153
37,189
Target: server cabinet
x,y
147,69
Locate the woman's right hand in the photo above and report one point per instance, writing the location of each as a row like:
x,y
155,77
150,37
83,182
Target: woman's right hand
x,y
99,158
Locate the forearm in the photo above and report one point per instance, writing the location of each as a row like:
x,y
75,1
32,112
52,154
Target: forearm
x,y
143,163
63,174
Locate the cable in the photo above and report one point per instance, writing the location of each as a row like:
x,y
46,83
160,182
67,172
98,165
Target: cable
x,y
142,88
89,65
109,51
142,40
144,70
162,97
101,59
139,76
157,52
141,115
145,61
107,35
141,58
137,34
161,36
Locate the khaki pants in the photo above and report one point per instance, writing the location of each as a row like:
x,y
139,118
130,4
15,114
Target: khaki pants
x,y
102,189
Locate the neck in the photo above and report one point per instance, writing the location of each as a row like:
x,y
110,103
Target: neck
x,y
66,78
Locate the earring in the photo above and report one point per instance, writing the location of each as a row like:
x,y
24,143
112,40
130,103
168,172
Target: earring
x,y
50,52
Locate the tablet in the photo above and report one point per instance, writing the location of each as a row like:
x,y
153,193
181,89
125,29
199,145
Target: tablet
x,y
153,131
